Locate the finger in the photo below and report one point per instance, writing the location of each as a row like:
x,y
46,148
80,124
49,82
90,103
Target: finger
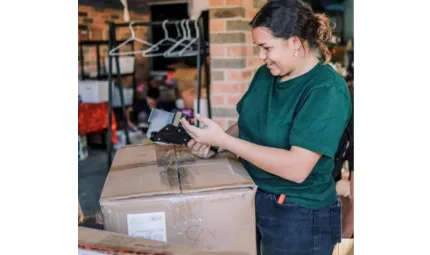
x,y
202,149
191,142
188,128
197,146
206,152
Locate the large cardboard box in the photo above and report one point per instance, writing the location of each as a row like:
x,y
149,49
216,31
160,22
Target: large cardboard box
x,y
94,242
165,193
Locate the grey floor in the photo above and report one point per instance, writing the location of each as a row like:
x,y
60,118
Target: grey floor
x,y
92,175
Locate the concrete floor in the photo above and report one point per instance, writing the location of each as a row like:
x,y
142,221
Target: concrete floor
x,y
92,175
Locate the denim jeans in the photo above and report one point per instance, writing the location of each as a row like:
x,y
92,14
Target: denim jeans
x,y
289,229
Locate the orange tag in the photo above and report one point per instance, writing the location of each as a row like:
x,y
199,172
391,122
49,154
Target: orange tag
x,y
281,199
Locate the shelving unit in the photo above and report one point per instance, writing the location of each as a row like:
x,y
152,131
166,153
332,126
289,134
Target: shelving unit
x,y
201,55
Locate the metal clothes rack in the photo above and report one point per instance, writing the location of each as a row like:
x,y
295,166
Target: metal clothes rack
x,y
100,76
202,52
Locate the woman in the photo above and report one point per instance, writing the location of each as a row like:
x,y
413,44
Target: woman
x,y
290,123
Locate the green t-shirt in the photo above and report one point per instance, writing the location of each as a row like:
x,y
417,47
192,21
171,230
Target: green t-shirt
x,y
310,111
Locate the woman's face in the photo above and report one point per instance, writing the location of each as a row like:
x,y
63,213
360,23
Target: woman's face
x,y
277,53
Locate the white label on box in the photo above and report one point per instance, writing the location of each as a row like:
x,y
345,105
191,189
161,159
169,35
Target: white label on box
x,y
148,225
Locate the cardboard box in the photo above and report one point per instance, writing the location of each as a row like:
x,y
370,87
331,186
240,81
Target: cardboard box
x,y
165,193
94,242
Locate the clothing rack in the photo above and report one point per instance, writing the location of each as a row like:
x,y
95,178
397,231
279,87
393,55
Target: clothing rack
x,y
103,76
202,52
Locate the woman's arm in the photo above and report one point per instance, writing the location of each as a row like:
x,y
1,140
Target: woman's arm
x,y
294,165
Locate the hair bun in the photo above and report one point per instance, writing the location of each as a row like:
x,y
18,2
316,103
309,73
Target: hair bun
x,y
323,36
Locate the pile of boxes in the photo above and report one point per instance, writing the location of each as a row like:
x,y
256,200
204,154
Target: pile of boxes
x,y
165,193
164,200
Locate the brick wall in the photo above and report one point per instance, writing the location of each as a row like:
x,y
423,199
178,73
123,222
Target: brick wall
x,y
234,58
93,25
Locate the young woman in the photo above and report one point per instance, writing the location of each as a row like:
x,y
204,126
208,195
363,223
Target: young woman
x,y
290,123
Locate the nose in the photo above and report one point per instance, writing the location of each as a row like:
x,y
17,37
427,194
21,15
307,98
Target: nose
x,y
261,54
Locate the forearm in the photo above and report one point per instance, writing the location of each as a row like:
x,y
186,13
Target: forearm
x,y
287,164
232,131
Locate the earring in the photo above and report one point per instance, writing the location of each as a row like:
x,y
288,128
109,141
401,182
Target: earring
x,y
296,53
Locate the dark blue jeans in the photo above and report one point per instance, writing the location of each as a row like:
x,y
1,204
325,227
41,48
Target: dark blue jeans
x,y
289,229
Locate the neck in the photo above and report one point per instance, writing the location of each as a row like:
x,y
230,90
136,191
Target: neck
x,y
305,65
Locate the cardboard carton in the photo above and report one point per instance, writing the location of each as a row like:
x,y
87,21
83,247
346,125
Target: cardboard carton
x,y
165,193
94,242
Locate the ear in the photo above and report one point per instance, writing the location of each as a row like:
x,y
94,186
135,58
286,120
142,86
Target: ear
x,y
296,43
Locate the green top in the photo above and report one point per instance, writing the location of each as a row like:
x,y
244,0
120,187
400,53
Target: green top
x,y
310,111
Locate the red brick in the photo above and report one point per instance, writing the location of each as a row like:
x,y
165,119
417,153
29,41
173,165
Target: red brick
x,y
216,3
249,38
254,61
250,14
234,99
233,2
249,50
220,88
235,51
248,4
217,51
218,100
234,75
216,25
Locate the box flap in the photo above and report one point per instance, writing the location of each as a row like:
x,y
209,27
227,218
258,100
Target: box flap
x,y
224,171
145,170
138,171
103,242
221,172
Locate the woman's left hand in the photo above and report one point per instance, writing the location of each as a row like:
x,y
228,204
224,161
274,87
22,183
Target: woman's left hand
x,y
212,134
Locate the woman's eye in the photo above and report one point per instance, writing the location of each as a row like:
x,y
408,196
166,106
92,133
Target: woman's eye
x,y
267,48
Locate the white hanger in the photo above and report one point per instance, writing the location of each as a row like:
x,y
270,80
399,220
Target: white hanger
x,y
187,39
166,54
147,53
177,29
115,51
187,50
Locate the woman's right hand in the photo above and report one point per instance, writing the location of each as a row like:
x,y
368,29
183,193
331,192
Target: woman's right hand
x,y
200,150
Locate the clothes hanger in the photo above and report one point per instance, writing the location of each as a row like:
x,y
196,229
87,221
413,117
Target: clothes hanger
x,y
184,39
188,40
115,51
178,31
190,48
150,52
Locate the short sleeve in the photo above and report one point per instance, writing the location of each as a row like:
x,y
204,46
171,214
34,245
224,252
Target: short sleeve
x,y
320,121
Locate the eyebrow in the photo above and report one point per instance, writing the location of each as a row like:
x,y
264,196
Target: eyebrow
x,y
261,44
